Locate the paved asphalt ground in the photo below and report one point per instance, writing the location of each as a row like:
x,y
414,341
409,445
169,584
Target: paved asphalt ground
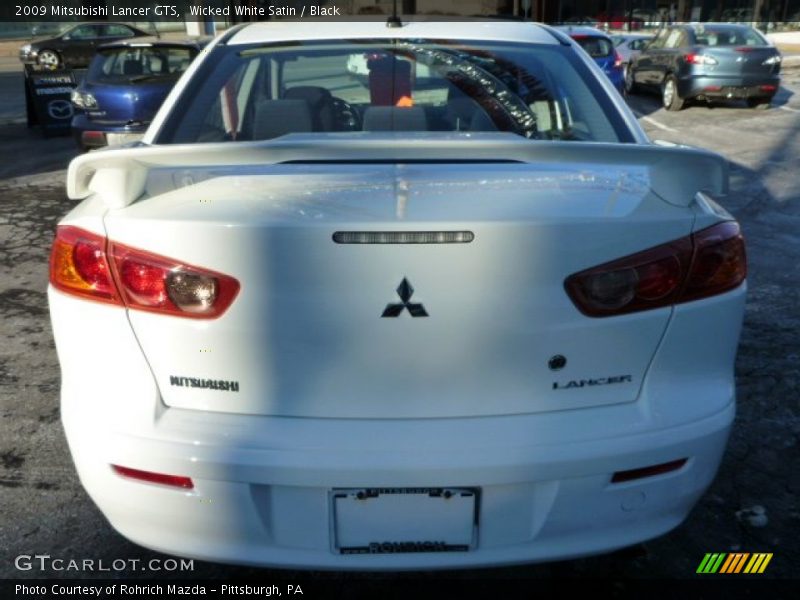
x,y
752,506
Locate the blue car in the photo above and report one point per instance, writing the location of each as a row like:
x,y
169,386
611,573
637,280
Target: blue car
x,y
124,87
599,46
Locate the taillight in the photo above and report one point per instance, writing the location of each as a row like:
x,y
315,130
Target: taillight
x,y
617,59
719,263
706,263
699,59
773,60
80,265
154,283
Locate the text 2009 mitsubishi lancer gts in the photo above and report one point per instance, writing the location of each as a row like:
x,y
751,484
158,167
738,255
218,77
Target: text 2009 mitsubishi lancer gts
x,y
399,322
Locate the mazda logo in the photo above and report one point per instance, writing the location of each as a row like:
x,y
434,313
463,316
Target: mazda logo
x,y
405,291
59,109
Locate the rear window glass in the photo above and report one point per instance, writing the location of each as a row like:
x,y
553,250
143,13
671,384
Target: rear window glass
x,y
139,64
728,36
596,47
256,93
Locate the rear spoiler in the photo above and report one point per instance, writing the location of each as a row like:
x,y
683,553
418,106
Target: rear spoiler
x,y
119,175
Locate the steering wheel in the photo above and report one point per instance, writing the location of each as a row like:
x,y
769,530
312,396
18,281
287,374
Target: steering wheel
x,y
347,116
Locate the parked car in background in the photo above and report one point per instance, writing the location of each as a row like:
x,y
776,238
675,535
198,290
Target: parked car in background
x,y
619,21
708,61
737,15
124,87
587,21
630,45
74,45
649,17
600,47
492,325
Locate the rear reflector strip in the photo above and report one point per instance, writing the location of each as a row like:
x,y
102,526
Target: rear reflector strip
x,y
403,237
89,137
621,476
159,478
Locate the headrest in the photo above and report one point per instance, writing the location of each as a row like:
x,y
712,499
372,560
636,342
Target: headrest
x,y
274,118
391,118
132,66
312,94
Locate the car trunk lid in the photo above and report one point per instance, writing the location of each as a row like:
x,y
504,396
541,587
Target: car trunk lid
x,y
129,103
473,326
741,61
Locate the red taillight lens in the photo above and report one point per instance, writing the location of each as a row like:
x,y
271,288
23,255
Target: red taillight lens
x,y
699,59
709,262
768,88
79,264
617,59
645,280
150,477
659,279
719,264
154,283
144,283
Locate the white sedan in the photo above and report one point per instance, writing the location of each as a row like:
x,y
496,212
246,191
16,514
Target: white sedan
x,y
630,45
483,323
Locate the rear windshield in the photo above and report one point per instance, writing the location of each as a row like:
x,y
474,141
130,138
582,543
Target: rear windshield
x,y
246,93
596,47
728,36
139,64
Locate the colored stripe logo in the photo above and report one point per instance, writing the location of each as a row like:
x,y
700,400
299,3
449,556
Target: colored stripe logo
x,y
736,562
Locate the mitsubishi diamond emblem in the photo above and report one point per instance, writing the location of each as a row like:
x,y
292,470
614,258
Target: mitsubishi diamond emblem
x,y
405,291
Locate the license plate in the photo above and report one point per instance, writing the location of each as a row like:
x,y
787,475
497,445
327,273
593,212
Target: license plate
x,y
115,139
402,520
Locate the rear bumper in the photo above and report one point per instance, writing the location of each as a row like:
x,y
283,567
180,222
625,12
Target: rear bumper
x,y
728,87
262,485
617,78
93,134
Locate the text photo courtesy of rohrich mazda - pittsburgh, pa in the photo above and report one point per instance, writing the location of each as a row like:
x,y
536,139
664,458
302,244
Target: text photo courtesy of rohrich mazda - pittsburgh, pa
x,y
490,291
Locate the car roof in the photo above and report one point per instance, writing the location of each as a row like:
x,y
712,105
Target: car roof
x,y
494,30
696,26
582,30
78,24
67,27
151,41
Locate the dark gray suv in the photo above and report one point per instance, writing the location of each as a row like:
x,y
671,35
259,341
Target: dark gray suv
x,y
707,61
